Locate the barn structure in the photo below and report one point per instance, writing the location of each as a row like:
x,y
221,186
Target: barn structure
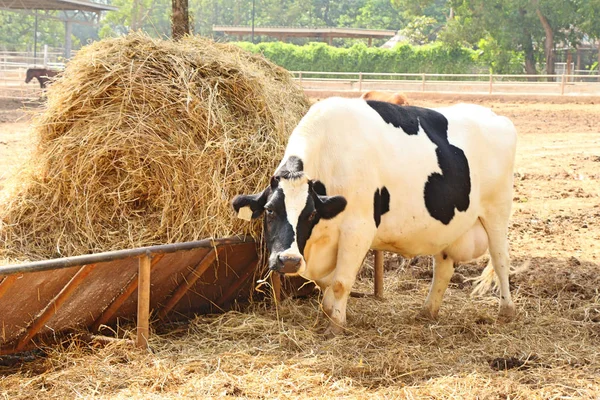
x,y
326,34
72,11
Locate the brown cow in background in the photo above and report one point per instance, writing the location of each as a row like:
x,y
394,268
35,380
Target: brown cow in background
x,y
395,98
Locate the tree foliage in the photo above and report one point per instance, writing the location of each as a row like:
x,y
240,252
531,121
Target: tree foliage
x,y
507,35
404,58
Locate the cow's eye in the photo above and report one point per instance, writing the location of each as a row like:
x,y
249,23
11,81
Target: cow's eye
x,y
270,213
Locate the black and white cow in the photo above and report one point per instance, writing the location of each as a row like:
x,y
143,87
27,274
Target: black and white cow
x,y
360,175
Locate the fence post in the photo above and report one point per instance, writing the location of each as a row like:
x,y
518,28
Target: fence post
x,y
562,85
422,82
491,83
360,81
45,55
300,77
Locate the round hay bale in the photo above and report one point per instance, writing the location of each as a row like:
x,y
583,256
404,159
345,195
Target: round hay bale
x,y
146,142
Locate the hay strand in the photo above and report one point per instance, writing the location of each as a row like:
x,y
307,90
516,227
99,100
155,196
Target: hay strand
x,y
146,141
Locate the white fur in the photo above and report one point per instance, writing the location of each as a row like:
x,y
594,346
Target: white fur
x,y
295,196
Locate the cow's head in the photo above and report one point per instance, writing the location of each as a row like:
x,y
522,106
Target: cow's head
x,y
292,205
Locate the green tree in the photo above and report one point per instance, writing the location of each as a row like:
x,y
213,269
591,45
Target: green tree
x,y
17,31
150,16
591,24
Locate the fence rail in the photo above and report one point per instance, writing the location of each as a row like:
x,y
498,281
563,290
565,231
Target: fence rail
x,y
12,82
564,84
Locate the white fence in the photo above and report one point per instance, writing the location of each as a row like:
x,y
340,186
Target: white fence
x,y
13,69
573,84
12,82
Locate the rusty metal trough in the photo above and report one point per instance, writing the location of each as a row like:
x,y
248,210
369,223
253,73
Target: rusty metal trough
x,y
41,299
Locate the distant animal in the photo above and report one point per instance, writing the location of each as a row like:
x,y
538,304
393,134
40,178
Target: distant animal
x,y
360,175
394,98
43,75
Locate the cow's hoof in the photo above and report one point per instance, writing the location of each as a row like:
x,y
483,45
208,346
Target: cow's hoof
x,y
333,330
425,314
507,313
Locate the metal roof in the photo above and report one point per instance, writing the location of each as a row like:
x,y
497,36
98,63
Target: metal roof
x,y
64,5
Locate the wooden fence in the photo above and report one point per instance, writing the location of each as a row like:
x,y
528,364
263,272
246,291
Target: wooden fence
x,y
572,84
581,83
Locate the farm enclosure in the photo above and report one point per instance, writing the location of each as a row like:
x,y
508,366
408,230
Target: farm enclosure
x,y
262,352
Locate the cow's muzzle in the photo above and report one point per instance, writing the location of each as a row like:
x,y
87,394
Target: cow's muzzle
x,y
286,264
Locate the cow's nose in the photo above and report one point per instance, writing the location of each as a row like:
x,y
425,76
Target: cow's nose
x,y
289,264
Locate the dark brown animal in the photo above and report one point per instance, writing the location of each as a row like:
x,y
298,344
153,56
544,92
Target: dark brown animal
x,y
394,98
43,75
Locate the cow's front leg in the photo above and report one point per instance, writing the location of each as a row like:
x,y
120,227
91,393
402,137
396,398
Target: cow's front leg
x,y
354,243
443,268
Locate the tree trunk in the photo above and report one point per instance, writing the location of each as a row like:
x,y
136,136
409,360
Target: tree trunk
x,y
530,61
180,20
530,68
548,43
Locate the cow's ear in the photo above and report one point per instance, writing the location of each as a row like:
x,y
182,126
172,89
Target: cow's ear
x,y
256,202
330,206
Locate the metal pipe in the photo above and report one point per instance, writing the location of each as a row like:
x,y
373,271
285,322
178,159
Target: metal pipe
x,y
67,262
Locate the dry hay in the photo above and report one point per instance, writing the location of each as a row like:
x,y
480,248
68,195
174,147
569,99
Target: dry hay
x,y
146,142
548,352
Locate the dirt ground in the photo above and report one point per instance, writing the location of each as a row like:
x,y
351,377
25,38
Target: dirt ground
x,y
551,350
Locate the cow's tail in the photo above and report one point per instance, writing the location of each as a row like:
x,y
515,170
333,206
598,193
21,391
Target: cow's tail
x,y
488,280
485,282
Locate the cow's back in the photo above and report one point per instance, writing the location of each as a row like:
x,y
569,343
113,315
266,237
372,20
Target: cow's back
x,y
347,145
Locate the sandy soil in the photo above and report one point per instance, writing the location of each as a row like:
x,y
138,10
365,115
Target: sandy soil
x,y
550,351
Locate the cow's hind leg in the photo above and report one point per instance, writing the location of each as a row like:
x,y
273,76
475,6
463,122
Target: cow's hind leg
x,y
496,227
353,246
443,268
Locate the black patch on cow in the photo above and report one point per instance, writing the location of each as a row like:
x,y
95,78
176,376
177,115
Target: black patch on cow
x,y
385,200
319,188
279,233
292,169
446,191
381,204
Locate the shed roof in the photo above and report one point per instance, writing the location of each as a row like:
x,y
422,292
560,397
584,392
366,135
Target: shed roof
x,y
65,5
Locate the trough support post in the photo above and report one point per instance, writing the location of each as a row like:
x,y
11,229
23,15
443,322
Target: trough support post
x,y
189,281
378,274
143,309
233,290
116,304
276,282
55,304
